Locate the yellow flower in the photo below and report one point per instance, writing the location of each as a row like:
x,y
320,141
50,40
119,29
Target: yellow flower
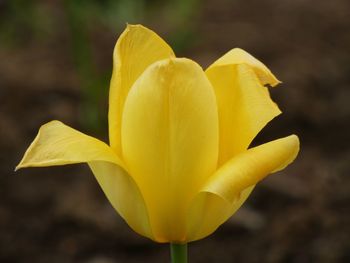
x,y
178,164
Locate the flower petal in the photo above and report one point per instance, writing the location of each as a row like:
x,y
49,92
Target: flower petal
x,y
248,168
170,141
124,195
244,104
231,185
136,49
208,211
238,56
58,144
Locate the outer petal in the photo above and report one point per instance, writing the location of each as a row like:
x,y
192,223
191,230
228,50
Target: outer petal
x,y
249,167
58,144
136,49
238,56
124,194
244,104
170,141
208,211
231,185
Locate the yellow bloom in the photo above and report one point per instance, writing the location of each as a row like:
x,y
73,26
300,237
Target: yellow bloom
x,y
178,164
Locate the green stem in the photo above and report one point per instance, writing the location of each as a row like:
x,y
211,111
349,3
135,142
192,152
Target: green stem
x,y
178,253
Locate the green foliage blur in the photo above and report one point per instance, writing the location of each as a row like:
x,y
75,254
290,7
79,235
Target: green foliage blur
x,y
24,21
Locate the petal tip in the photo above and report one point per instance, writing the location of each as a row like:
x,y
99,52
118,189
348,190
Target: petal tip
x,y
133,26
274,81
294,140
291,144
238,56
22,164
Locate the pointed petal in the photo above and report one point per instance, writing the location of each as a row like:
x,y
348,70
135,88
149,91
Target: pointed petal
x,y
58,144
136,49
244,104
170,140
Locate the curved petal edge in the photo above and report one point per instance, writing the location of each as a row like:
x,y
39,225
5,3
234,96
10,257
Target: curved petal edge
x,y
59,144
238,56
248,168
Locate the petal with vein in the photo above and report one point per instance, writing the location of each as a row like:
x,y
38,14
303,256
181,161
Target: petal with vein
x,y
136,49
244,104
170,141
58,144
231,185
248,168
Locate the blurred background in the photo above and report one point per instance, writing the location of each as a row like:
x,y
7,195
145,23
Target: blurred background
x,y
55,63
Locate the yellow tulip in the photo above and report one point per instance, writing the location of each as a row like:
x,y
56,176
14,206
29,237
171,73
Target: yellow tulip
x,y
178,163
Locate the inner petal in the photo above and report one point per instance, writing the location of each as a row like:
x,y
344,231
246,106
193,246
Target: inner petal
x,y
170,140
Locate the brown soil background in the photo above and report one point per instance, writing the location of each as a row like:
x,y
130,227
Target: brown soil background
x,y
299,215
